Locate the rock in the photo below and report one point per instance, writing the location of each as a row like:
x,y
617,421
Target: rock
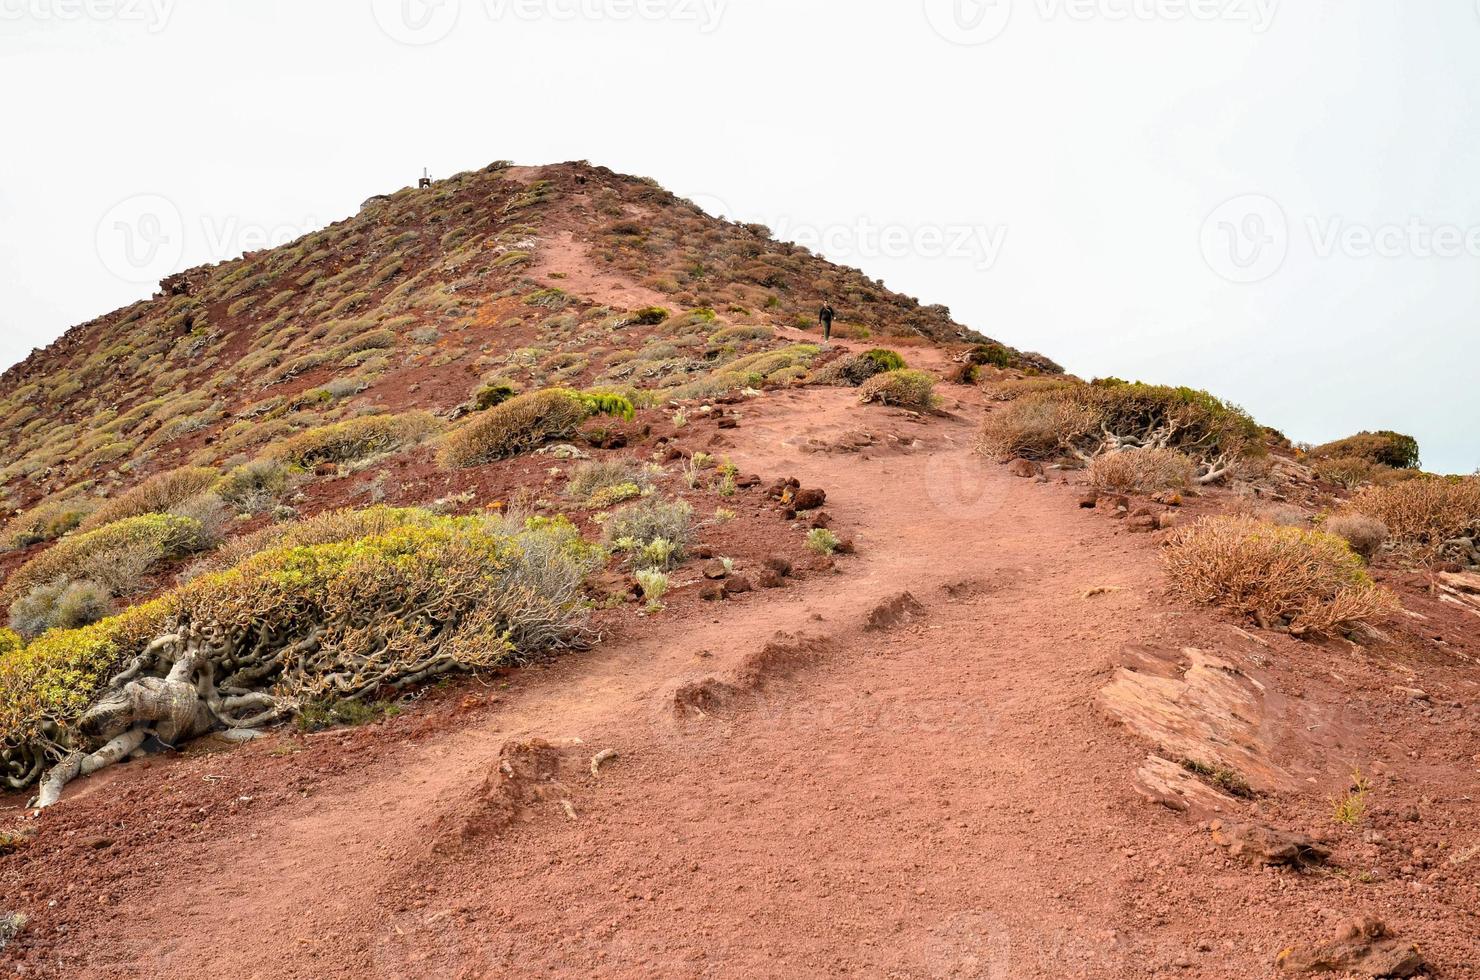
x,y
1170,498
1163,781
1142,523
1362,946
1088,500
712,592
822,519
738,585
1267,845
779,489
746,482
728,422
768,578
808,499
1025,468
716,570
704,552
846,547
1115,504
326,469
779,565
892,612
615,585
1166,519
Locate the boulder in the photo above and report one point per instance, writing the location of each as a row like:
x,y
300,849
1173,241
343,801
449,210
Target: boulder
x,y
1025,468
1259,844
808,499
738,585
716,570
1363,946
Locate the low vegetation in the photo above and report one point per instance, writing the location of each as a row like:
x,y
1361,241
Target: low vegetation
x,y
903,388
354,439
116,555
1392,449
155,495
46,521
1425,515
1307,581
526,422
653,532
1141,471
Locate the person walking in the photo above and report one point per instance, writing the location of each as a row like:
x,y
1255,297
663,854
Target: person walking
x,y
825,317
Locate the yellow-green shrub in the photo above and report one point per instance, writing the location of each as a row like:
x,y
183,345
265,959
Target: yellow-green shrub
x,y
526,422
904,389
47,521
138,542
1310,581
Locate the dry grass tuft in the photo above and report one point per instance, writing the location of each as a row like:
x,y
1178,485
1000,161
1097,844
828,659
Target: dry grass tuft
x,y
1280,576
1424,514
154,496
1142,471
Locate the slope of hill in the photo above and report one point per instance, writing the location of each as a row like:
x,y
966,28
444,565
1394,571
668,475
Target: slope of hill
x,y
766,666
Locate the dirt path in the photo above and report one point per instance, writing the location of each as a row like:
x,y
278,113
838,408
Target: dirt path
x,y
936,798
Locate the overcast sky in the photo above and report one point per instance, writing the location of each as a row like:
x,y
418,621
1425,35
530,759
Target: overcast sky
x,y
1273,200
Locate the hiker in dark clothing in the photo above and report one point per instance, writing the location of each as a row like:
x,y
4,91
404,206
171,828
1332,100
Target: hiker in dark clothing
x,y
825,317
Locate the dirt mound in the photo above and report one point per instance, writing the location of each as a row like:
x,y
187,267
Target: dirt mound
x,y
528,773
783,655
890,613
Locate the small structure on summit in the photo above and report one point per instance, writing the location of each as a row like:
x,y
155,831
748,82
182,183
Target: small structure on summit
x,y
425,181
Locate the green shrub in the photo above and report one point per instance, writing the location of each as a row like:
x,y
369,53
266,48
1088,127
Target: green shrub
x,y
526,422
493,394
589,480
257,486
647,316
822,541
904,389
1383,448
886,360
353,439
994,354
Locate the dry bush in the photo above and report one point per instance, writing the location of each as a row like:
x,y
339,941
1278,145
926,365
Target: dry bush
x,y
1366,535
116,555
155,495
354,439
639,527
588,480
1141,471
525,422
1035,426
1351,472
1426,513
901,388
47,521
257,486
1280,576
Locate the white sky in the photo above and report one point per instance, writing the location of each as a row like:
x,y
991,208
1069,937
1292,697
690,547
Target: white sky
x,y
1055,171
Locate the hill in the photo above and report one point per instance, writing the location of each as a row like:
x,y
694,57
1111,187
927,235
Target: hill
x,y
506,579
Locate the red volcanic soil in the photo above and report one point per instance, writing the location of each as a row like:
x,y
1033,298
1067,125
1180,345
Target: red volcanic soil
x,y
820,779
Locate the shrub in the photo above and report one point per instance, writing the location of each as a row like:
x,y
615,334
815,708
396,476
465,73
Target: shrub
x,y
1350,472
903,388
822,541
590,480
493,394
654,585
524,423
1141,470
1383,448
637,527
353,439
647,316
993,354
59,605
451,594
1426,513
257,486
114,555
885,360
1365,534
1036,426
47,521
155,495
1307,580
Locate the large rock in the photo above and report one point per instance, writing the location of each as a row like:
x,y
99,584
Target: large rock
x,y
1363,946
1267,845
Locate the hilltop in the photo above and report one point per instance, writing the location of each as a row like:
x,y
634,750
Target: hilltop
x,y
508,579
